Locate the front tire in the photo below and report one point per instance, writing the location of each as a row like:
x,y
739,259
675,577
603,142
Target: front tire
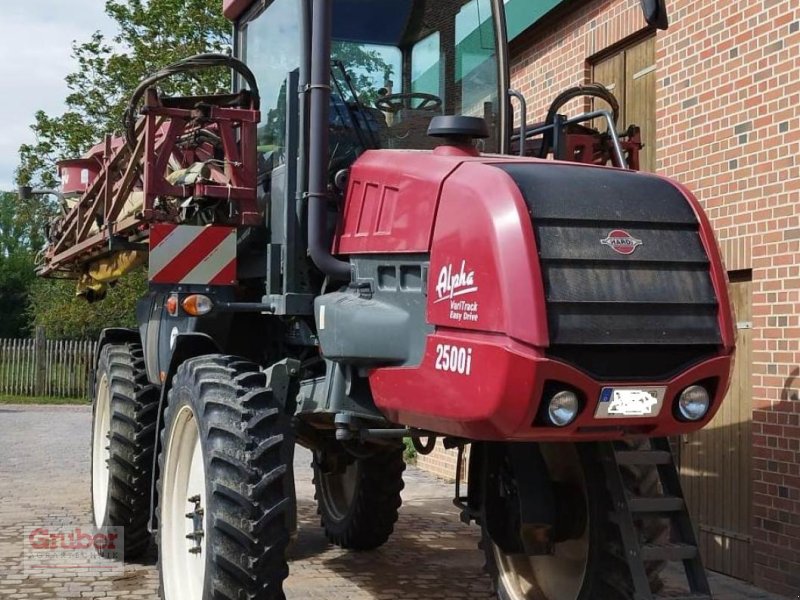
x,y
223,488
589,565
123,437
358,501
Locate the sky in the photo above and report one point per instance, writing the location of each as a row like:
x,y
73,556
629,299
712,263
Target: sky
x,y
35,46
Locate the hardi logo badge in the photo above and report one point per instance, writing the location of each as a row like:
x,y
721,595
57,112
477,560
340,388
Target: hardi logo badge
x,y
621,242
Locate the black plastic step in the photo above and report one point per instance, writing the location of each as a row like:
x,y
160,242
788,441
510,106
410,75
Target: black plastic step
x,y
643,457
658,504
669,552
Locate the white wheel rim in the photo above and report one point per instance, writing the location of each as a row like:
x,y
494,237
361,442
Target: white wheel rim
x,y
340,490
100,451
184,477
561,575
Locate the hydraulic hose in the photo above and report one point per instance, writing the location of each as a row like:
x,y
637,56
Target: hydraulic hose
x,y
594,90
199,62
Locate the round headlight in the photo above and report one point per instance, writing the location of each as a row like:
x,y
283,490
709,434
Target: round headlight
x,y
563,408
693,403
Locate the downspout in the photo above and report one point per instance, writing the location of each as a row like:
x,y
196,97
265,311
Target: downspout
x,y
320,92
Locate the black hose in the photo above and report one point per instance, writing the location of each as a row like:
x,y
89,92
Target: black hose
x,y
197,62
425,448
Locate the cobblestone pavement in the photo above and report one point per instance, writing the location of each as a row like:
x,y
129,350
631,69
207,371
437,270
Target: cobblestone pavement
x,y
44,479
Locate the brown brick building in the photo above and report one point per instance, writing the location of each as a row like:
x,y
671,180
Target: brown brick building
x,y
718,100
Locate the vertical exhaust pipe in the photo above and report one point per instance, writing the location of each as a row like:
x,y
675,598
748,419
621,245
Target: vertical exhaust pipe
x,y
320,92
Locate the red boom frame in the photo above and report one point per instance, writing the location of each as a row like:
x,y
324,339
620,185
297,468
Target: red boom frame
x,y
167,135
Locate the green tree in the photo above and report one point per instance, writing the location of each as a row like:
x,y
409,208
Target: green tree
x,y
367,69
16,278
20,239
151,34
53,305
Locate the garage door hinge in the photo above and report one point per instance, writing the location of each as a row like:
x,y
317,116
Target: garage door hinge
x,y
744,325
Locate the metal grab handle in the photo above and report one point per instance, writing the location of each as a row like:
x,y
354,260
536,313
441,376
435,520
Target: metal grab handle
x,y
523,118
612,130
560,122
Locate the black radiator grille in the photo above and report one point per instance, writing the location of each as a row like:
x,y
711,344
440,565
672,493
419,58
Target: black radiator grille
x,y
646,314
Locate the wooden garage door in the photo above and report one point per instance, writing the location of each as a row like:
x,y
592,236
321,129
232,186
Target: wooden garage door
x,y
630,75
715,462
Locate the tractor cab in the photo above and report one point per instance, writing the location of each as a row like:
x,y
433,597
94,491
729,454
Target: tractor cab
x,y
394,65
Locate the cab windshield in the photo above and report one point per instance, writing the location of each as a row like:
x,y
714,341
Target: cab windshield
x,y
395,65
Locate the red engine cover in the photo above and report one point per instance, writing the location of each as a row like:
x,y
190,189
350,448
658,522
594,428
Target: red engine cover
x,y
233,9
392,210
484,369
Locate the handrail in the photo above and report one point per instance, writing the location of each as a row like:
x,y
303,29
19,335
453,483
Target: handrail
x,y
523,119
597,114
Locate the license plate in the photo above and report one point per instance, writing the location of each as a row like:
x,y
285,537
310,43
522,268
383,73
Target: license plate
x,y
616,403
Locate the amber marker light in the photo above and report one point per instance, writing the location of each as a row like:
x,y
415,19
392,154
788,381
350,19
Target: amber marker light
x,y
197,305
172,305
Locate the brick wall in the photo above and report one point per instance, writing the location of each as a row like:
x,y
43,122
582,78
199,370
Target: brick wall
x,y
728,126
442,462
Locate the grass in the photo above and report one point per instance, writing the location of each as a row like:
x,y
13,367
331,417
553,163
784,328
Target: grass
x,y
410,453
42,400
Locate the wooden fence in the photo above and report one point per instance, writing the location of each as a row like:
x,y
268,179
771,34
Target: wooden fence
x,y
41,367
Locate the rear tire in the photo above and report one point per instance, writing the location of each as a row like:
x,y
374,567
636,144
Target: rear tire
x,y
358,505
588,568
223,488
124,414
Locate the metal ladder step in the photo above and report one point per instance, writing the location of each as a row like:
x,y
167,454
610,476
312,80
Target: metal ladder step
x,y
656,504
629,511
643,457
668,552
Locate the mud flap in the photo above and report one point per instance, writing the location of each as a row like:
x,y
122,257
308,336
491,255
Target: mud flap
x,y
281,379
519,508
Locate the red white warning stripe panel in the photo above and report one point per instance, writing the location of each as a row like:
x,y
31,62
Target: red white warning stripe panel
x,y
187,254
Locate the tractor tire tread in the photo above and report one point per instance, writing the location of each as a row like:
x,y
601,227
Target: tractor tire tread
x,y
374,511
609,575
247,504
134,405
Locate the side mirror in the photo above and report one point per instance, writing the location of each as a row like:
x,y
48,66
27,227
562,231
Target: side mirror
x,y
655,13
25,192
